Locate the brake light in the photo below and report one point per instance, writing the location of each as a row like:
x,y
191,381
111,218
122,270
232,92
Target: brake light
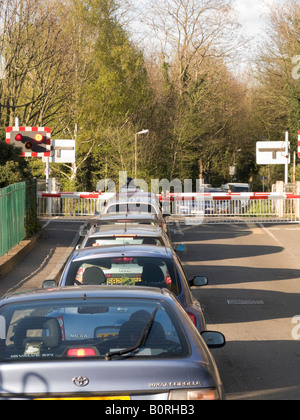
x,y
193,318
125,236
123,260
81,353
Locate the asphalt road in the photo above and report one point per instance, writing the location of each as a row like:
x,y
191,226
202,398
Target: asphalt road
x,y
252,297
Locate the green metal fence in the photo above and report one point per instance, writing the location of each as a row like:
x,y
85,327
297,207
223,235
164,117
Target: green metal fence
x,y
18,214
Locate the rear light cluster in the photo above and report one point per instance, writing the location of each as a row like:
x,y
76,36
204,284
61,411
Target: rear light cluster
x,y
195,395
193,318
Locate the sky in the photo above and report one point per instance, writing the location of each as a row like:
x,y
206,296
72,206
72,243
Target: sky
x,y
252,14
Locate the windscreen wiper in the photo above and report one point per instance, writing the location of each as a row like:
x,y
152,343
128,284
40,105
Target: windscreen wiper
x,y
142,340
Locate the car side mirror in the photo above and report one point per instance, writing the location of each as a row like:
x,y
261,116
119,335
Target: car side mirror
x,y
49,284
199,281
213,339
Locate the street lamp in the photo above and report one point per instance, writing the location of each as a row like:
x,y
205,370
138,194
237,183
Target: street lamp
x,y
136,150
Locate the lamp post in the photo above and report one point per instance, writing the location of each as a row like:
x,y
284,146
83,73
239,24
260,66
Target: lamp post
x,y
136,150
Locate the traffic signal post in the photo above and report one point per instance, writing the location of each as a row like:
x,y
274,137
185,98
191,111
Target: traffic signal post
x,y
36,142
32,142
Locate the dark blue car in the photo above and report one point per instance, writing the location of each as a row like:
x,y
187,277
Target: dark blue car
x,y
129,265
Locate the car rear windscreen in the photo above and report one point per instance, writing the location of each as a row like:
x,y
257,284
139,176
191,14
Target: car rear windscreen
x,y
125,271
123,240
78,328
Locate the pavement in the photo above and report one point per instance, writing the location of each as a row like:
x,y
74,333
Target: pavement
x,y
15,255
40,258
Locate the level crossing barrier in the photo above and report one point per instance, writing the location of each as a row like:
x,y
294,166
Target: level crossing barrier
x,y
71,204
193,207
237,207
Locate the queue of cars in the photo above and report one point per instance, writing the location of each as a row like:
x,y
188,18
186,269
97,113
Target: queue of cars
x,y
122,323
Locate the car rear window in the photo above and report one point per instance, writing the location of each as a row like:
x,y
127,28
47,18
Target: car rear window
x,y
68,329
125,271
124,240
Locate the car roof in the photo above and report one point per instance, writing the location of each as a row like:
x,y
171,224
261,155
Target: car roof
x,y
239,184
126,217
86,292
236,184
150,251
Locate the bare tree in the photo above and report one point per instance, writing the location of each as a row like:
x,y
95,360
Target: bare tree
x,y
35,54
188,31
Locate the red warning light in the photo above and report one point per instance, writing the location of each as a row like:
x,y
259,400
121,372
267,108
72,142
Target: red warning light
x,y
19,137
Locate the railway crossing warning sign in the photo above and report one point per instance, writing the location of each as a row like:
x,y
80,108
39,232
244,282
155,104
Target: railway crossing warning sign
x,y
272,153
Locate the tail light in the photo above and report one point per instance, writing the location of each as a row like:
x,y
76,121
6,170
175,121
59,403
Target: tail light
x,y
195,395
193,318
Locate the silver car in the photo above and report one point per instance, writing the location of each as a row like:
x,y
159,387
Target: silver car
x,y
134,203
142,346
125,234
